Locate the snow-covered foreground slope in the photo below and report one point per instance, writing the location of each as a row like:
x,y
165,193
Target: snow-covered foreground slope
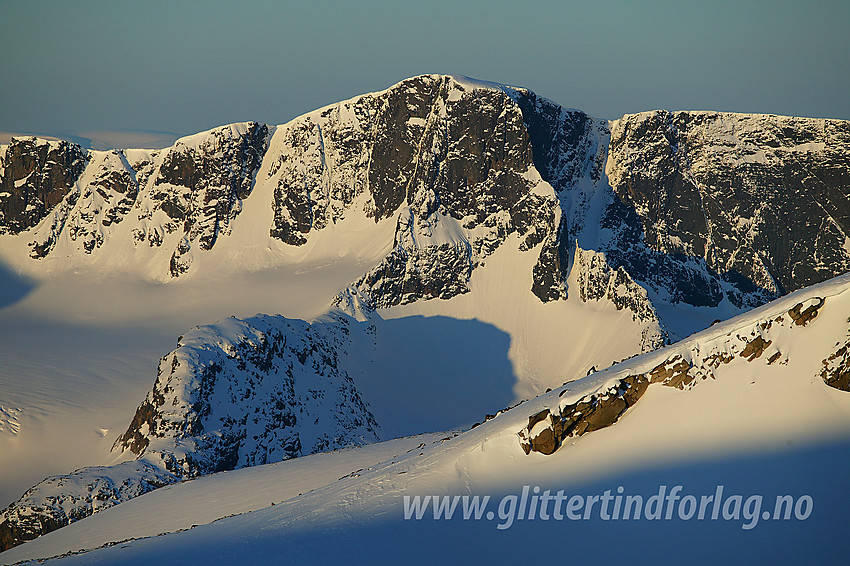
x,y
753,414
188,504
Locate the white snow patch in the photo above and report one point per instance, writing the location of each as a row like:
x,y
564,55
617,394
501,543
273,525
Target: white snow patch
x,y
811,147
23,181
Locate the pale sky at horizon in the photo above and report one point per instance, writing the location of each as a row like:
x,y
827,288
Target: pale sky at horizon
x,y
82,67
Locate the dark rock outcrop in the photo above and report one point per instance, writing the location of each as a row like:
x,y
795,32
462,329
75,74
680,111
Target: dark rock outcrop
x,y
836,368
801,316
35,175
546,433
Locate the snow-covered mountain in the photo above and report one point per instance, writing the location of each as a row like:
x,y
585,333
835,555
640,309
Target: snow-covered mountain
x,y
694,207
78,197
432,218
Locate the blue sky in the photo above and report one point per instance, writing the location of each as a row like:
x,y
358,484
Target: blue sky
x,y
82,67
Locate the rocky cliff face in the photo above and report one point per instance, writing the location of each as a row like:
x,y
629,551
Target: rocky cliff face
x,y
697,207
760,201
104,195
35,175
452,162
200,185
234,394
192,190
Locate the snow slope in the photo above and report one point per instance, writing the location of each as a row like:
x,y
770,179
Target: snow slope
x,y
184,505
755,426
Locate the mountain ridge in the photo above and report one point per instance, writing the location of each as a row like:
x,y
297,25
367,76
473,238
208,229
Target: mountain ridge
x,y
565,151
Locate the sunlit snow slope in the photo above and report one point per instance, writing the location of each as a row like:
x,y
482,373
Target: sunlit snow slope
x,y
750,409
